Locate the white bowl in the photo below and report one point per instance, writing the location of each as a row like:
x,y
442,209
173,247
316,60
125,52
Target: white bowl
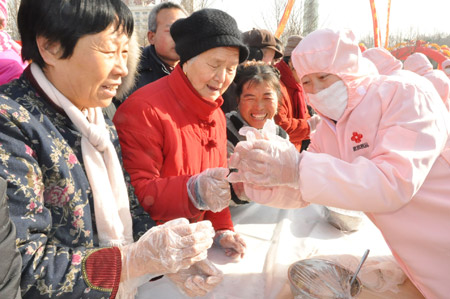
x,y
345,220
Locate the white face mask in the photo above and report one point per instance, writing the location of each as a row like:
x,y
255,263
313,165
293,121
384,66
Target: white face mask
x,y
331,101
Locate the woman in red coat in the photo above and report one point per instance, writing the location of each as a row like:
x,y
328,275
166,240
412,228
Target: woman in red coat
x,y
173,132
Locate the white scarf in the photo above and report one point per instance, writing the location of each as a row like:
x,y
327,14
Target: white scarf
x,y
105,174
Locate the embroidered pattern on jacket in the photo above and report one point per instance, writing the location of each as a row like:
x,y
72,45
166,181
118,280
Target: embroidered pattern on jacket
x,y
357,138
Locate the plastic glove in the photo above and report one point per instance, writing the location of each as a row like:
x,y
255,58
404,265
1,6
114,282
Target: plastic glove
x,y
198,280
268,132
242,198
167,248
273,162
231,242
281,197
313,122
209,190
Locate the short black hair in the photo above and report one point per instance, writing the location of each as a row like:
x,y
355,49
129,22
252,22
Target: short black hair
x,y
66,21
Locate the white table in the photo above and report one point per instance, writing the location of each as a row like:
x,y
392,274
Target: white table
x,y
275,239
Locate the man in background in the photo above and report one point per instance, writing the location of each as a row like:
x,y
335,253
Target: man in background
x,y
262,44
11,262
159,58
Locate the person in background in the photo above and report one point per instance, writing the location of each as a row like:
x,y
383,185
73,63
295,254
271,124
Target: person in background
x,y
293,115
11,262
384,61
421,65
258,94
280,49
382,147
446,67
262,45
159,58
173,133
79,227
11,64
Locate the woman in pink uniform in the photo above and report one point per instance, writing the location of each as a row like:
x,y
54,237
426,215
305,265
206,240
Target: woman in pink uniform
x,y
419,64
382,147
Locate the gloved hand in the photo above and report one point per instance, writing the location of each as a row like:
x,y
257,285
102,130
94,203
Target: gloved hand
x,y
265,162
231,242
238,189
167,248
209,190
281,197
313,122
198,280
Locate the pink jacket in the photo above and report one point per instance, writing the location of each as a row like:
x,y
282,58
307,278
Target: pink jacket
x,y
11,66
446,67
385,62
419,64
389,156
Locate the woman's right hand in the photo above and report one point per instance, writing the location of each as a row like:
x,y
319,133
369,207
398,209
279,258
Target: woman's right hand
x,y
210,190
167,248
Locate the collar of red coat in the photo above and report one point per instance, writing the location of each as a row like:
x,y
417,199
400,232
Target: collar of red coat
x,y
189,97
286,76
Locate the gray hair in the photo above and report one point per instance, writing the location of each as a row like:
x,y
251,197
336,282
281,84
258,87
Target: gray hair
x,y
156,9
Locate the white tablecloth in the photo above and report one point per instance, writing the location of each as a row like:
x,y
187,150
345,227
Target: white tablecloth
x,y
275,239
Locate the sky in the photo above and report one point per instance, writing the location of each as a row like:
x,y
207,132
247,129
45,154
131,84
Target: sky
x,y
406,16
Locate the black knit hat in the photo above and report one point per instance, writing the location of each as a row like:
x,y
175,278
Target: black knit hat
x,y
206,29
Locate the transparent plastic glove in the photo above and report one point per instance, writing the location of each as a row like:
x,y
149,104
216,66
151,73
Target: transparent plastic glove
x,y
239,190
233,244
268,132
265,162
209,190
281,197
313,122
198,280
167,248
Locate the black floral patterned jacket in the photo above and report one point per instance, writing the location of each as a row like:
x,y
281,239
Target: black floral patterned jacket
x,y
50,199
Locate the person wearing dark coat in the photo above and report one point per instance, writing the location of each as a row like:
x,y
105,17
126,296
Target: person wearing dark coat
x,y
11,263
159,58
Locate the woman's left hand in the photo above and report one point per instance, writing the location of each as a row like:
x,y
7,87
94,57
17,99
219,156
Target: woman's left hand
x,y
232,243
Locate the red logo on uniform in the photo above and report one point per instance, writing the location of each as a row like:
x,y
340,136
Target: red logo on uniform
x,y
357,137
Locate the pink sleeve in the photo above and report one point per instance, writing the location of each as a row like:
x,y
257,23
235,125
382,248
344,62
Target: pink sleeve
x,y
408,142
277,197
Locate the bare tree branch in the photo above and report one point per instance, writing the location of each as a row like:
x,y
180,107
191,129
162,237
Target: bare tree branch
x,y
294,25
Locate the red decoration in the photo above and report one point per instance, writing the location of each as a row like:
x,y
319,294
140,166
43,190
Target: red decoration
x,y
284,18
433,51
376,30
357,137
